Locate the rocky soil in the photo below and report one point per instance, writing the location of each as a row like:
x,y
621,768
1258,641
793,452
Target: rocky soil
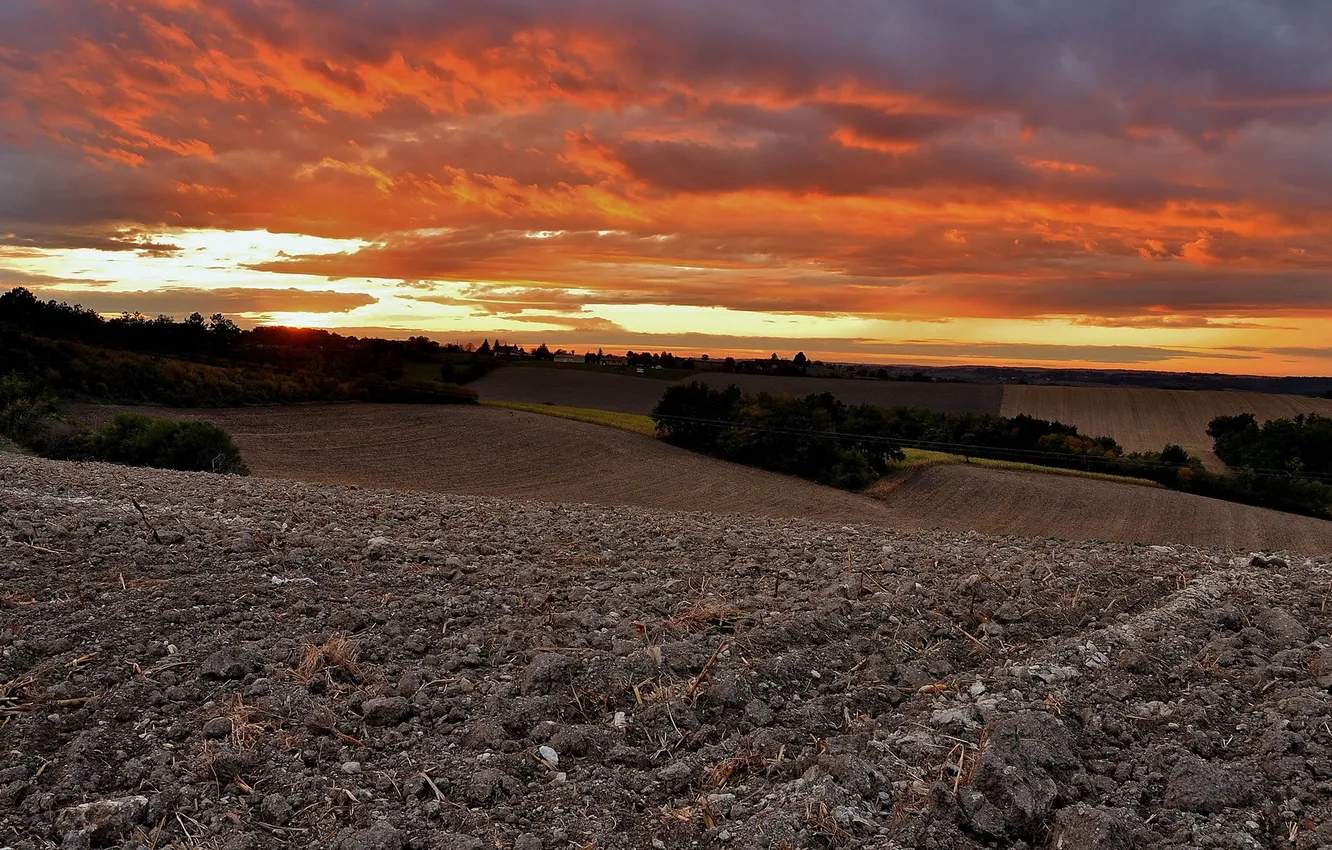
x,y
196,661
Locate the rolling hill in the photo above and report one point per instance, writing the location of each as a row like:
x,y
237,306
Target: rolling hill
x,y
630,394
1148,419
490,451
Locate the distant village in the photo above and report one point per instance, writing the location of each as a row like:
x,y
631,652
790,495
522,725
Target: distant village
x,y
643,362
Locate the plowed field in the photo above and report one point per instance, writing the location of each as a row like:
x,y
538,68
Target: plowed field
x,y
200,661
1148,419
625,394
497,452
571,388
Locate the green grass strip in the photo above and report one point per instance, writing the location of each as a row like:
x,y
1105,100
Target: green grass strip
x,y
633,422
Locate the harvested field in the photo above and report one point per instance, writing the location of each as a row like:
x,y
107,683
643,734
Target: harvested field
x,y
941,398
1148,420
571,388
492,451
496,452
1029,504
197,661
625,394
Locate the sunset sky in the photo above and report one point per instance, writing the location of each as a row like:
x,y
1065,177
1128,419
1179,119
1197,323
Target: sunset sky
x,y
1133,184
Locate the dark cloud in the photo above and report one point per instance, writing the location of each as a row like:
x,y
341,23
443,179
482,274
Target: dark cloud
x,y
182,301
1134,165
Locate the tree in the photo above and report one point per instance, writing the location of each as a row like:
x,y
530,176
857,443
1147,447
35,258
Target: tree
x,y
800,359
1174,455
484,350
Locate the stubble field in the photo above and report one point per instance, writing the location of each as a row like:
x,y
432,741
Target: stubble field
x,y
629,394
1149,419
497,452
1139,419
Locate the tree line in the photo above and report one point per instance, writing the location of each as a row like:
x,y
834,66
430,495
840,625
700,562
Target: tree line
x,y
826,440
77,353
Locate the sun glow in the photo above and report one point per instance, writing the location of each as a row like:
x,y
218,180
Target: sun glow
x,y
616,179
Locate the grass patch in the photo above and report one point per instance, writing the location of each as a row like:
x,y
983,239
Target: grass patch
x,y
633,422
921,458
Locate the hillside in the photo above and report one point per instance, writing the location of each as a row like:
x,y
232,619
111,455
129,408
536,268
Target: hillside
x,y
1139,419
571,388
1034,504
940,397
202,661
497,452
1147,419
629,394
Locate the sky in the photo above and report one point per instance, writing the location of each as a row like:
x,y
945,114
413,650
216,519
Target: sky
x,y
1030,182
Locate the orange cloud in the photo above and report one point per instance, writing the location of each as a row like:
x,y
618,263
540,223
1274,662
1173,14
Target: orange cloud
x,y
820,164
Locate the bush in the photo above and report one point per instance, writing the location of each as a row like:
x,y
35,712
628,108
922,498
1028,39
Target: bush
x,y
24,409
808,437
137,440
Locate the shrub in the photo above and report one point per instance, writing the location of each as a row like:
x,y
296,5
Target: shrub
x,y
24,409
137,440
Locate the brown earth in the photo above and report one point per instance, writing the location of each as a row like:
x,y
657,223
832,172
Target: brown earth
x,y
1033,504
1139,419
496,452
628,394
1149,419
201,661
572,388
941,398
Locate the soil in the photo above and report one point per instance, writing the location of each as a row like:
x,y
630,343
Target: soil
x,y
495,452
1031,504
627,394
941,398
1139,419
198,661
572,388
1149,419
491,451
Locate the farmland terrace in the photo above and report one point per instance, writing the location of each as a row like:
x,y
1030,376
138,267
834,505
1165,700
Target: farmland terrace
x,y
193,660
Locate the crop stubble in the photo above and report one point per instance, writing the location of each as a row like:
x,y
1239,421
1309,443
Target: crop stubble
x,y
625,394
1149,419
497,452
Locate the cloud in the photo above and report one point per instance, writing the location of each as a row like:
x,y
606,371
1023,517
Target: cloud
x,y
179,302
1150,167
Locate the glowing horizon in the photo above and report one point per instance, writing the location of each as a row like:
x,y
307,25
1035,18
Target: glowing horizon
x,y
886,183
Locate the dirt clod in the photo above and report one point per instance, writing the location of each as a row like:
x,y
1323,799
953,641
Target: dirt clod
x,y
1207,787
1025,768
1084,827
103,822
385,711
230,662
